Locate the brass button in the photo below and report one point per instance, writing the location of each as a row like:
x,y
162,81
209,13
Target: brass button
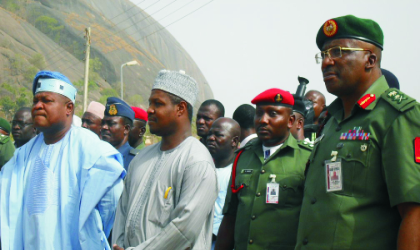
x,y
258,194
262,171
253,217
338,128
251,241
313,201
348,155
284,186
305,241
340,145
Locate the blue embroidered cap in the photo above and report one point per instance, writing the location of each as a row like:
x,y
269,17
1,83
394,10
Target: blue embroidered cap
x,y
117,107
54,82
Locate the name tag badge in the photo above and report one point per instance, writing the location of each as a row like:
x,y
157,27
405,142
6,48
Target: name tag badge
x,y
246,171
272,196
334,175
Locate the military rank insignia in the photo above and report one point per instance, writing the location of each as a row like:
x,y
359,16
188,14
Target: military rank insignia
x,y
112,110
366,100
396,96
356,134
417,150
279,98
330,28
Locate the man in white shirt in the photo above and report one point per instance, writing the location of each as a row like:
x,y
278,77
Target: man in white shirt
x,y
171,186
222,141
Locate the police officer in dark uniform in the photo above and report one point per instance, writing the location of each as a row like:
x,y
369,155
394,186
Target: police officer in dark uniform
x,y
266,188
116,125
362,188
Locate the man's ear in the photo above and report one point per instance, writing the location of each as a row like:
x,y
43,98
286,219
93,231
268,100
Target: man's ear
x,y
371,61
292,119
127,129
235,142
142,131
181,108
69,108
300,123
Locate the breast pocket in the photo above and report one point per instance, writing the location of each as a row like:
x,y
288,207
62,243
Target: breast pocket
x,y
290,190
355,162
162,205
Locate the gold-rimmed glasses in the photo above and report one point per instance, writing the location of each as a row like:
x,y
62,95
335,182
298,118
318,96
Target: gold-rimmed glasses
x,y
335,52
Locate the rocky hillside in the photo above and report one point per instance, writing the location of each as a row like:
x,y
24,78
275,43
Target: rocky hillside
x,y
49,34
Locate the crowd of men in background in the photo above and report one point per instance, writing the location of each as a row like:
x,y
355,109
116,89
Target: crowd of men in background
x,y
289,173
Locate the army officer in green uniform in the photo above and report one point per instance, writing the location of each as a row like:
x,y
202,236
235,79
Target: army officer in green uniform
x,y
262,206
6,145
362,187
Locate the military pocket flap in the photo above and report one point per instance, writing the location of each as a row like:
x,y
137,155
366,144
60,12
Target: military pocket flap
x,y
290,183
355,151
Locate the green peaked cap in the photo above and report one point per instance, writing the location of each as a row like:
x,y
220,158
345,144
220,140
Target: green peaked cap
x,y
350,27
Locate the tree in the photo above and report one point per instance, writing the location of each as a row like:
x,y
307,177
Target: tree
x,y
8,106
38,61
135,100
30,73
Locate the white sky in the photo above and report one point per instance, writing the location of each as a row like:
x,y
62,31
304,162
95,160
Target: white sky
x,y
244,47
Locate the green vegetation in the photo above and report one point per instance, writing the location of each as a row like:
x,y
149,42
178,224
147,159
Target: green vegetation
x,y
49,26
38,61
18,97
135,100
10,5
108,92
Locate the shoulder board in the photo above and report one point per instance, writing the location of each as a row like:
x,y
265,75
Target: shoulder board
x,y
4,138
249,145
306,145
134,151
399,100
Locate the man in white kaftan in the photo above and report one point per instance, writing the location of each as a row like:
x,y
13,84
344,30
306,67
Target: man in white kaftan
x,y
61,189
171,187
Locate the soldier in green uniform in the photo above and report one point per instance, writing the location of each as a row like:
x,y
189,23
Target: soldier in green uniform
x,y
6,145
262,206
362,188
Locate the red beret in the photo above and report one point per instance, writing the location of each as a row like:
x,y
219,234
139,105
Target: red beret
x,y
276,97
139,113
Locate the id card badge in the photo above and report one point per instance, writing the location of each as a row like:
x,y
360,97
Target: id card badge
x,y
334,175
272,196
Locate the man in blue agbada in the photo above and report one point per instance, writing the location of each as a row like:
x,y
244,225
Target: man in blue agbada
x,y
60,190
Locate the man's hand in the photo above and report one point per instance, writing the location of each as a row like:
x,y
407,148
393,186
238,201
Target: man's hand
x,y
116,247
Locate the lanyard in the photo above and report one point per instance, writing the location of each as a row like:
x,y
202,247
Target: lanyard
x,y
235,190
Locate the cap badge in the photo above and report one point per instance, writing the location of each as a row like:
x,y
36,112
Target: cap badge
x,y
330,28
112,110
279,98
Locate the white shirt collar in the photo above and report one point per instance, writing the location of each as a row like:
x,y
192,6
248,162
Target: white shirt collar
x,y
247,139
272,149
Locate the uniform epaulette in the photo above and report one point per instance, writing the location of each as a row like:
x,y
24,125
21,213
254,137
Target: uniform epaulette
x,y
399,100
305,145
247,146
4,138
134,151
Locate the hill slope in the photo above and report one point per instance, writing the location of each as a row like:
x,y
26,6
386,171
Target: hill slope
x,y
49,34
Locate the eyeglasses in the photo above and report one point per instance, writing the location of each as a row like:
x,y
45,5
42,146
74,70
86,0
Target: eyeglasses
x,y
20,124
335,52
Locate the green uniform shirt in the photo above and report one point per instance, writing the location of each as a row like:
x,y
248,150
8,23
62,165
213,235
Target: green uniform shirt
x,y
141,146
6,149
260,225
378,174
